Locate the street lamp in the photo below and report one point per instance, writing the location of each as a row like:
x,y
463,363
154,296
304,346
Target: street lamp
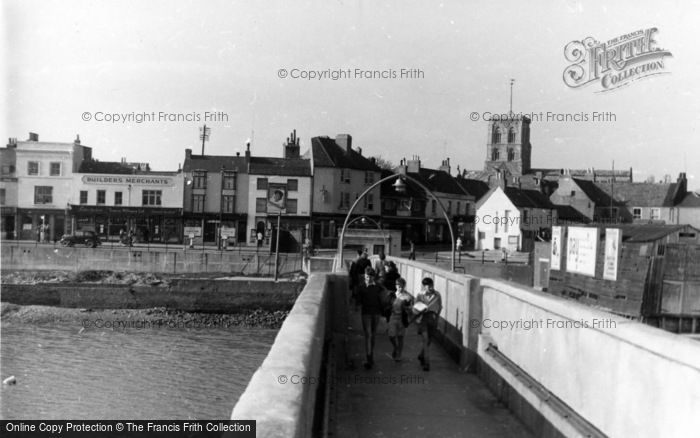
x,y
400,186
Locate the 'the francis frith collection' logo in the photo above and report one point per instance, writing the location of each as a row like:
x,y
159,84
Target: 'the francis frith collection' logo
x,y
616,62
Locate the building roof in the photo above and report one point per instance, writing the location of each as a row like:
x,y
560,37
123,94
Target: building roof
x,y
439,181
108,167
279,166
691,200
595,193
641,194
474,187
214,163
520,198
648,232
567,213
327,153
523,198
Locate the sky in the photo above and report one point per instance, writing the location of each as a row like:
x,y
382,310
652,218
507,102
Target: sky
x,y
66,59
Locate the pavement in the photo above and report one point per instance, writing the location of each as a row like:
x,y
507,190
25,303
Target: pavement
x,y
401,400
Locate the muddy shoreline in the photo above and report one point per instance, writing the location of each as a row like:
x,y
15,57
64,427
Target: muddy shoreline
x,y
120,319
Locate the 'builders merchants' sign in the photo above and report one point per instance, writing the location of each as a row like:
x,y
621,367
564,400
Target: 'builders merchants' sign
x,y
137,180
581,247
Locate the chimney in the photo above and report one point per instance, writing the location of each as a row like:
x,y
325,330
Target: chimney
x,y
445,167
77,140
498,180
402,167
247,150
359,151
12,142
344,141
33,136
188,153
238,154
413,165
291,147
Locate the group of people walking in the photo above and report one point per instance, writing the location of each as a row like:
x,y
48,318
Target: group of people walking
x,y
379,291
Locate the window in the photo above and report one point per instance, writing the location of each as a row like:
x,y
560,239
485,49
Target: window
x,y
458,208
505,224
292,185
495,155
55,169
43,194
291,206
661,250
83,197
433,206
496,135
369,201
198,203
637,213
117,198
511,155
449,208
345,176
8,169
261,184
151,197
33,168
229,180
261,205
573,193
101,197
2,196
369,177
525,218
511,135
199,179
228,203
344,200
655,214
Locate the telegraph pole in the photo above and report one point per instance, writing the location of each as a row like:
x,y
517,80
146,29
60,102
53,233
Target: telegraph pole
x,y
204,135
277,246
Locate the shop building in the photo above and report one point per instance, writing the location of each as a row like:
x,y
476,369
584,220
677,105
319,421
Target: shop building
x,y
111,198
279,191
8,190
340,175
44,172
215,198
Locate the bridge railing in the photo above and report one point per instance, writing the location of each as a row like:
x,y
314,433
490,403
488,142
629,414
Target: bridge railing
x,y
585,371
286,395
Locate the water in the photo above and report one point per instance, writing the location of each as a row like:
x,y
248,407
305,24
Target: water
x,y
132,374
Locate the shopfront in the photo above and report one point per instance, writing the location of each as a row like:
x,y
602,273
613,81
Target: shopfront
x,y
149,224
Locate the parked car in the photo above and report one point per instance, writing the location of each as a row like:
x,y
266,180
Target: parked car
x,y
87,238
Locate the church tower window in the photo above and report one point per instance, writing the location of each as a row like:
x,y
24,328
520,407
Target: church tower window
x,y
496,135
511,135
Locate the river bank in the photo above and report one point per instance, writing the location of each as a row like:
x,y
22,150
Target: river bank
x,y
124,319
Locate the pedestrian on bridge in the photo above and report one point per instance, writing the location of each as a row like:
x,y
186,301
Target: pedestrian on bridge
x,y
399,319
371,306
428,305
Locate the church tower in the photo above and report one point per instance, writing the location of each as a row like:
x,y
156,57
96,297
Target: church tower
x,y
508,146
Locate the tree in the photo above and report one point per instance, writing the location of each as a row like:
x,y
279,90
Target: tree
x,y
384,164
